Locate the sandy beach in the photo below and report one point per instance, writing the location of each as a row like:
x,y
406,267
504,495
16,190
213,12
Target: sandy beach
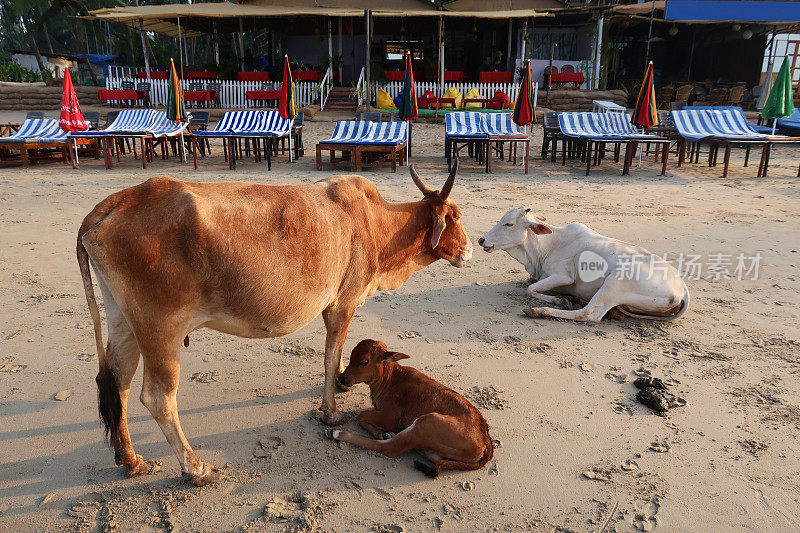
x,y
575,450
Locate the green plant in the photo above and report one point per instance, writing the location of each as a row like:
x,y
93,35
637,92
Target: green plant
x,y
10,71
334,61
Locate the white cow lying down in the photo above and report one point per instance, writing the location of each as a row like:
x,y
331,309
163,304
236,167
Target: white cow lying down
x,y
576,261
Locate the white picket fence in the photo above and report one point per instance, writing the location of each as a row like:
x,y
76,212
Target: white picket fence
x,y
486,90
231,93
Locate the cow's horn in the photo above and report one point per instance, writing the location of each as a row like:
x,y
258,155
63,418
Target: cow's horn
x,y
448,185
419,183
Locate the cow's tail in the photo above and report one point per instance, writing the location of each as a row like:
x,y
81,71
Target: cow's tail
x,y
449,464
109,402
684,306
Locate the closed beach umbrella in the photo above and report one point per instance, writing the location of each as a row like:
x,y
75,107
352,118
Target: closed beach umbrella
x,y
645,113
523,107
779,103
407,110
71,118
286,107
176,109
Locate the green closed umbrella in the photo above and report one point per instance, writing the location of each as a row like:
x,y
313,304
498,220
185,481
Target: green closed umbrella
x,y
779,103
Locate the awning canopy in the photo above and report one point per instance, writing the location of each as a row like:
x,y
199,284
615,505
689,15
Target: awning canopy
x,y
782,11
198,19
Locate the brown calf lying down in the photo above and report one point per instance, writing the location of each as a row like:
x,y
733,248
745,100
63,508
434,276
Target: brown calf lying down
x,y
414,412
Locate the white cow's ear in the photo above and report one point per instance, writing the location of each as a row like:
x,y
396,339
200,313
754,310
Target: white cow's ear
x,y
538,229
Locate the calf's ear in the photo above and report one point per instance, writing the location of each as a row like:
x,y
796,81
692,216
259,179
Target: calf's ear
x,y
539,229
395,356
438,228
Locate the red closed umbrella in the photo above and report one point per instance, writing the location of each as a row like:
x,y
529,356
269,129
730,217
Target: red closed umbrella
x,y
71,118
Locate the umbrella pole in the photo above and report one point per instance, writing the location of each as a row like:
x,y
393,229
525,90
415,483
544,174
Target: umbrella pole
x,y
649,36
183,148
290,146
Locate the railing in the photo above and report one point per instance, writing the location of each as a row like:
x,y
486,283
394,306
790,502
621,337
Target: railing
x,y
325,88
361,88
231,93
486,90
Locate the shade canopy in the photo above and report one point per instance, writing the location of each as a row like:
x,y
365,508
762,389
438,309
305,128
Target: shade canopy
x,y
162,19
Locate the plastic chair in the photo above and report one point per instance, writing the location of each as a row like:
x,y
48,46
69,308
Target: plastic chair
x,y
92,119
567,68
128,85
34,114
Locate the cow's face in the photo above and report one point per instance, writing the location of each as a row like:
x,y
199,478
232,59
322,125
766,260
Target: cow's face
x,y
448,239
366,360
512,230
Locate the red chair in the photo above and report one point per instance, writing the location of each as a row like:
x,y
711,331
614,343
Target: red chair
x,y
499,101
424,101
547,72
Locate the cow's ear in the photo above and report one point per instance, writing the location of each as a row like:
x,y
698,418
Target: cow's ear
x,y
538,229
438,228
395,356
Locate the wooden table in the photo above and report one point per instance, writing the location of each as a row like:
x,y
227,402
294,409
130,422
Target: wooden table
x,y
263,95
200,96
111,95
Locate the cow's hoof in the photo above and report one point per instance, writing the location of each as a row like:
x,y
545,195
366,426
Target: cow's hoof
x,y
207,475
332,434
142,467
337,418
533,312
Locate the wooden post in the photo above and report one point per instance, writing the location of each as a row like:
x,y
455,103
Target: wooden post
x,y
180,45
441,55
510,35
339,24
216,43
330,44
241,45
598,53
367,32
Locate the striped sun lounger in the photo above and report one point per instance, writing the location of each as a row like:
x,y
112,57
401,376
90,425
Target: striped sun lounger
x,y
723,127
164,127
349,132
384,145
500,128
790,125
600,129
465,129
129,121
233,122
44,130
737,115
356,138
36,134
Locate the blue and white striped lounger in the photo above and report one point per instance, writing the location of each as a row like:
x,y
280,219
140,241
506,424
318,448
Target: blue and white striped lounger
x,y
501,125
349,132
586,125
697,124
233,123
42,130
790,125
164,127
387,133
465,124
128,122
273,125
738,116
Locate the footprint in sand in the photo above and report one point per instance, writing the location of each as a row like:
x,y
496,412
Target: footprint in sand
x,y
645,517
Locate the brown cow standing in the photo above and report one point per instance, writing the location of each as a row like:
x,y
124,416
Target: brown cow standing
x,y
247,259
414,412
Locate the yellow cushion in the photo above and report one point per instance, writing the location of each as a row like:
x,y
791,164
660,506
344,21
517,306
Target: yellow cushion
x,y
384,100
473,93
453,93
